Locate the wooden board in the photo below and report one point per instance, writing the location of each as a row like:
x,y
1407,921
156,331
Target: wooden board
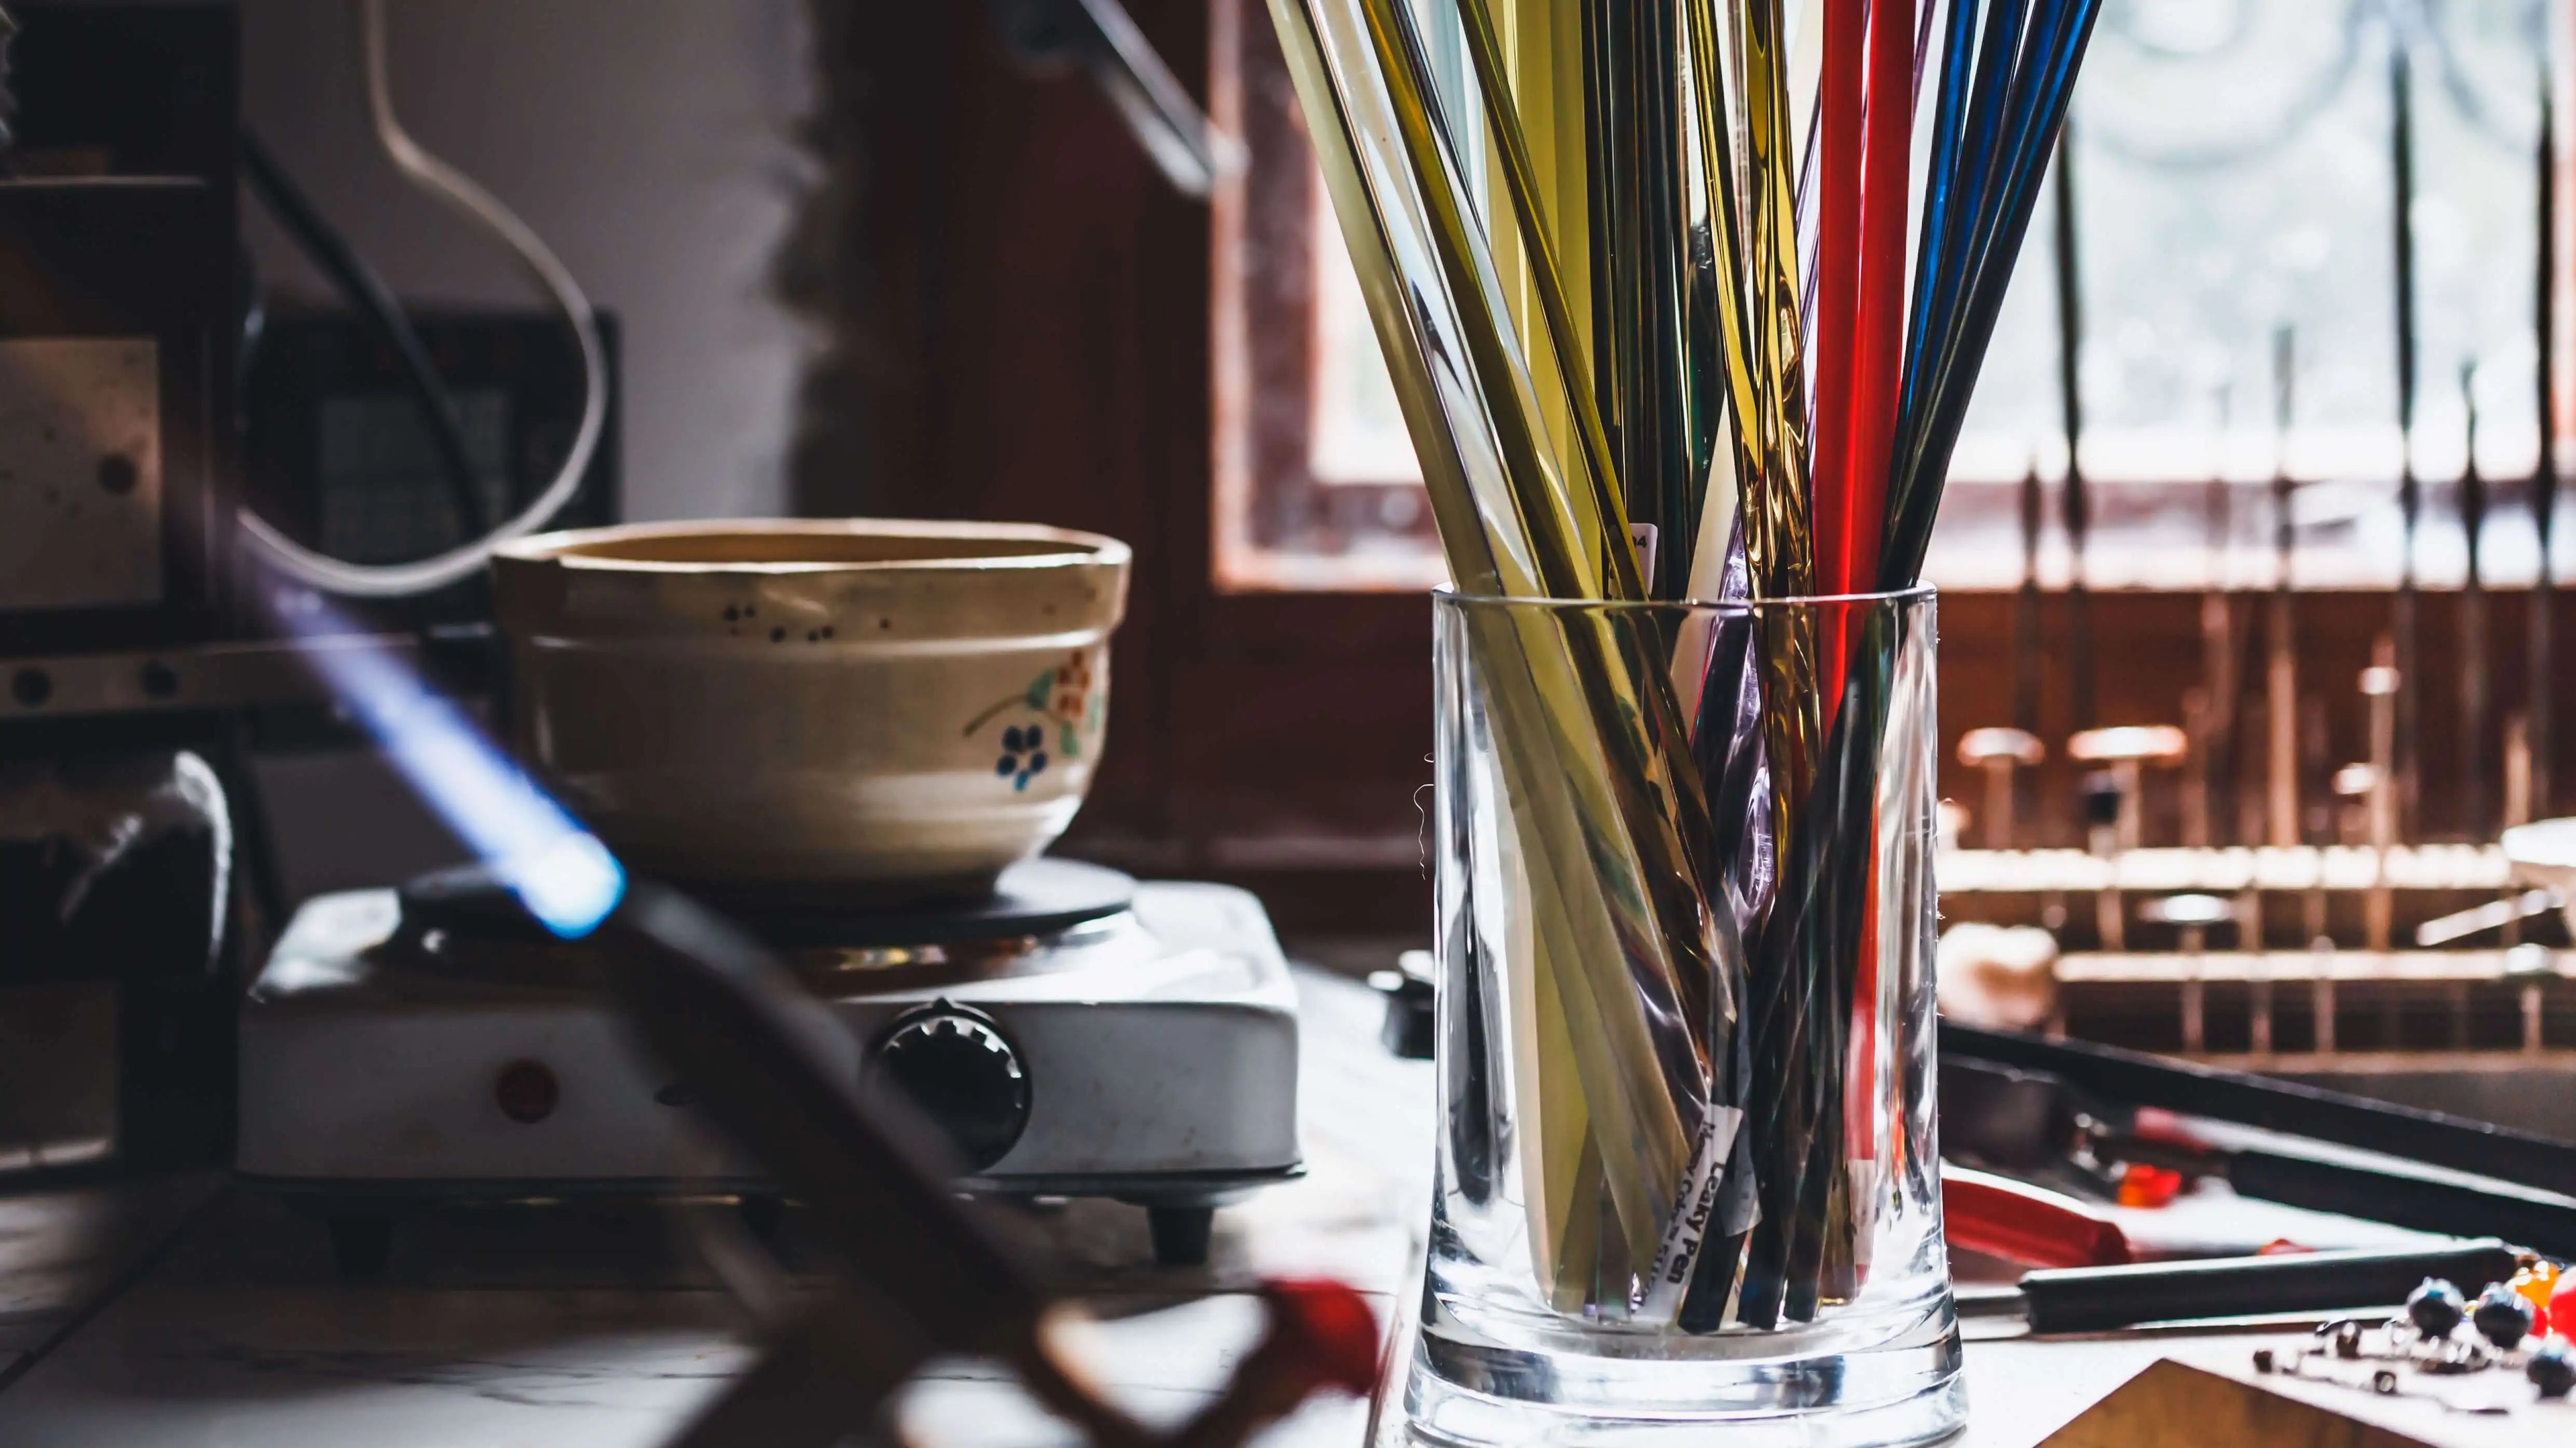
x,y
2208,1394
2173,1402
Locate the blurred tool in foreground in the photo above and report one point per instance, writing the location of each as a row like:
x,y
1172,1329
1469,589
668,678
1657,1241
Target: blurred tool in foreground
x,y
763,1057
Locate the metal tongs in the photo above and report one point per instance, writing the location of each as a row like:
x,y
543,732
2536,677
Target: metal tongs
x,y
760,1054
1047,36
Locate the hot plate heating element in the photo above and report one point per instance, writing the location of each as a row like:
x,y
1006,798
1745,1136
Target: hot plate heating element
x,y
1078,1034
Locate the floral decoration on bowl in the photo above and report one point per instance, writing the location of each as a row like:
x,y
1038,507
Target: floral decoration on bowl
x,y
1062,698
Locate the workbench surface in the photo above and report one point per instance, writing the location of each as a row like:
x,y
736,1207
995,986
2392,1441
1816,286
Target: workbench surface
x,y
194,1313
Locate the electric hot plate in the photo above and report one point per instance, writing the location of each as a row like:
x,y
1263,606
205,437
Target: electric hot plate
x,y
1075,1034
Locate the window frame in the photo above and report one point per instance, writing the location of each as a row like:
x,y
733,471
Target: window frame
x,y
1032,332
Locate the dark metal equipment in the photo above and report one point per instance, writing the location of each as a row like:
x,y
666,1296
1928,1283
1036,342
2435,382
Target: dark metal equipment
x,y
119,839
338,450
147,398
115,1013
117,311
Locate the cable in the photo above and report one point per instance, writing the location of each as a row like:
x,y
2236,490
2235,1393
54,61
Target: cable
x,y
359,284
462,195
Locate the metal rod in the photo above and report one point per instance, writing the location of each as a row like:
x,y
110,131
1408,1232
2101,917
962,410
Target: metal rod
x,y
2474,703
2544,477
2028,645
2379,684
2026,625
2410,499
2133,789
2070,401
2478,919
2312,770
2517,764
2281,781
2196,771
2215,744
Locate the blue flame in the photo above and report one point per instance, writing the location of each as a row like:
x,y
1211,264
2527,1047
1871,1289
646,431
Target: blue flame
x,y
561,872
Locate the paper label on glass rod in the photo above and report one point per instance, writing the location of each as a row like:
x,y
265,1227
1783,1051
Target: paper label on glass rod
x,y
1694,1213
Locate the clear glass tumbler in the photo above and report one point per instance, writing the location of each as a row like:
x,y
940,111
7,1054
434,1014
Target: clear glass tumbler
x,y
1687,1175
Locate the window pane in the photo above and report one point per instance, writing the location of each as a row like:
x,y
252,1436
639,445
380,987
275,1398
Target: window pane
x,y
1356,430
2233,177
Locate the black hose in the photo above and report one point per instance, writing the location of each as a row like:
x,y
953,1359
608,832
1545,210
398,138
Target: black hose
x,y
358,283
2537,1220
2106,1299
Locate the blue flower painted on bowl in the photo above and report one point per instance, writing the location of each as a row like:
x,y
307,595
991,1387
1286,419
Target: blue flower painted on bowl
x,y
1064,698
1023,754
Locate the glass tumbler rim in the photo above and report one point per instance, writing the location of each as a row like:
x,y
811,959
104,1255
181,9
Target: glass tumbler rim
x,y
1448,594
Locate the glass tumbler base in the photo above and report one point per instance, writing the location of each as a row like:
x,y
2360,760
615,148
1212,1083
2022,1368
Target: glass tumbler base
x,y
1469,1396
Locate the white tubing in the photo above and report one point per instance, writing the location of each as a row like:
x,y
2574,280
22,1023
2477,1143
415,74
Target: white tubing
x,y
462,195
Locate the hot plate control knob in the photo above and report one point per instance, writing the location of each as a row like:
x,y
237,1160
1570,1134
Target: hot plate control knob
x,y
954,1065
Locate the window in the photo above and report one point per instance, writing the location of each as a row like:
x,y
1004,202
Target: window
x,y
2233,176
1316,484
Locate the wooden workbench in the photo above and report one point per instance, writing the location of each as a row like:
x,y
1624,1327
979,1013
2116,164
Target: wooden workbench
x,y
191,1313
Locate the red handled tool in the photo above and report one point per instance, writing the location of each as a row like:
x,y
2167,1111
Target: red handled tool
x,y
2030,1225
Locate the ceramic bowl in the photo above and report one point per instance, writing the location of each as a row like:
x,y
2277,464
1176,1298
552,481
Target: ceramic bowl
x,y
814,712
